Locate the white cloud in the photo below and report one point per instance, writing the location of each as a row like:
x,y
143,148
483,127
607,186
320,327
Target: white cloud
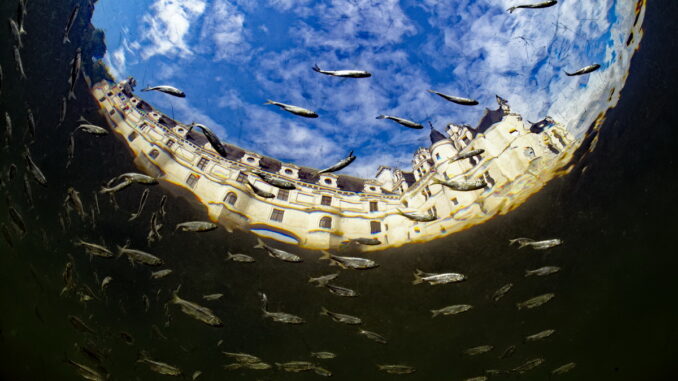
x,y
223,32
165,29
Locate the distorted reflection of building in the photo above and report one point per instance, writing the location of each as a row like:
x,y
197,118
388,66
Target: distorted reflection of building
x,y
327,209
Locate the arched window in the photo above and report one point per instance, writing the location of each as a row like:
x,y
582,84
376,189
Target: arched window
x,y
154,153
231,198
326,223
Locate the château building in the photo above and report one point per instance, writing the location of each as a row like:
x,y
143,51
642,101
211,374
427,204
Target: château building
x,y
328,209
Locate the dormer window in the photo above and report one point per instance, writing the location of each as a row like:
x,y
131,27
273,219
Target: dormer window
x,y
326,200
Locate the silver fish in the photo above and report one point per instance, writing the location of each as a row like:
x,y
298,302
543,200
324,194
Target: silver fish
x,y
479,378
362,241
396,369
14,27
212,138
343,73
462,186
341,291
340,318
167,90
17,221
343,163
69,25
80,325
433,279
154,230
104,283
277,253
276,182
157,366
248,365
280,317
452,310
320,371
19,64
296,366
93,249
138,178
544,4
196,374
536,245
478,350
211,297
260,192
27,190
73,200
70,150
62,111
508,352
502,291
69,279
242,357
584,70
466,155
196,311
536,301
142,202
196,226
8,128
373,336
323,280
417,216
161,273
161,209
33,168
564,368
404,122
349,262
242,258
91,129
20,15
540,335
30,124
457,100
139,256
293,109
323,355
528,365
86,372
542,271
76,63
6,235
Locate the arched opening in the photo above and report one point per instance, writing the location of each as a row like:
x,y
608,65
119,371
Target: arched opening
x,y
231,198
326,222
154,153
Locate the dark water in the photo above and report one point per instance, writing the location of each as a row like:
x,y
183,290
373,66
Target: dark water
x,y
614,311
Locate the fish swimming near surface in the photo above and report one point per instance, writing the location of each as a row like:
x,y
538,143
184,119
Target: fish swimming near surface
x,y
127,179
167,90
457,100
161,273
355,263
242,258
92,129
17,221
396,369
343,73
87,372
69,25
260,192
30,124
157,366
142,203
377,338
27,190
343,163
478,350
19,65
104,283
540,335
542,271
528,365
62,111
244,358
196,311
212,138
277,253
503,290
462,186
196,226
417,216
466,155
154,230
280,317
564,368
433,279
34,169
452,310
74,201
404,122
161,209
14,27
139,256
70,150
323,280
584,70
296,366
76,63
323,355
341,318
536,301
293,109
544,4
276,182
341,291
21,15
8,128
361,241
211,297
93,249
536,245
508,352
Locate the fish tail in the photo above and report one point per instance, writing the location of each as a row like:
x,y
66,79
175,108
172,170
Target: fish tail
x,y
22,30
432,92
66,40
71,95
316,68
570,74
269,102
326,255
142,356
264,302
417,277
435,312
229,255
510,10
324,311
436,181
528,273
381,117
133,217
175,295
260,244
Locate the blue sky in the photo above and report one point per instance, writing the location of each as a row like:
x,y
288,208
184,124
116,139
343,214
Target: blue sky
x,y
230,56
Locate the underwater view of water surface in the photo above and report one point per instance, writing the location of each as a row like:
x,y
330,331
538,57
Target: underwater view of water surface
x,y
291,190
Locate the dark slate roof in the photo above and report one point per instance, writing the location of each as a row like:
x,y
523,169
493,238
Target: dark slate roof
x,y
436,136
489,118
409,178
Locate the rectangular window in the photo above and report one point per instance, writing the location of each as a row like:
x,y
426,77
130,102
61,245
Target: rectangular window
x,y
375,227
143,126
277,215
433,211
170,143
242,178
283,194
374,206
455,201
192,180
132,136
202,162
326,200
437,156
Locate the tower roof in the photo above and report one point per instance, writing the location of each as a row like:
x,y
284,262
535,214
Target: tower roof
x,y
436,136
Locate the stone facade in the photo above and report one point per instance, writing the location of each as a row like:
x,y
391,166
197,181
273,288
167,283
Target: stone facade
x,y
328,209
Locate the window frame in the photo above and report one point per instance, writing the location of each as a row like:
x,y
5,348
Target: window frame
x,y
277,215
